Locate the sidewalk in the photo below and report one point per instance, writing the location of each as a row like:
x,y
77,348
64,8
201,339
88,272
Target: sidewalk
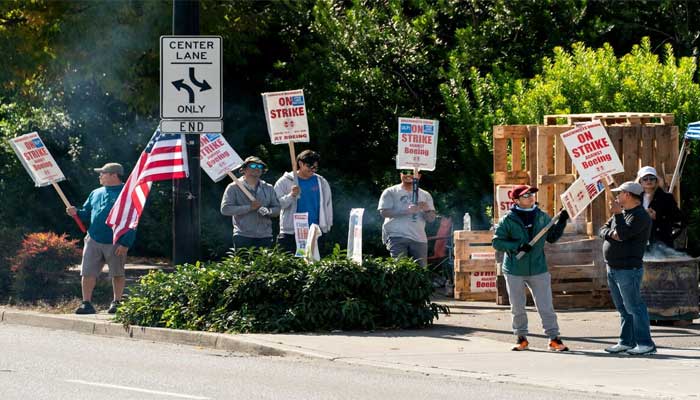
x,y
473,342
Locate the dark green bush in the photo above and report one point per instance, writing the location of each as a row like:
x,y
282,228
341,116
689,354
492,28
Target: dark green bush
x,y
269,291
40,265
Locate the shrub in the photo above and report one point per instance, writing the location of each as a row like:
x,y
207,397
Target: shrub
x,y
40,263
269,291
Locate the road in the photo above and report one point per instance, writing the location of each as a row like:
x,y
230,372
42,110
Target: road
x,y
39,363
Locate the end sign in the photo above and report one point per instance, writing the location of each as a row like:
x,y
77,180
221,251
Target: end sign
x,y
190,77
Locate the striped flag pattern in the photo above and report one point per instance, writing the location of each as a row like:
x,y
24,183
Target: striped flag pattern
x,y
164,158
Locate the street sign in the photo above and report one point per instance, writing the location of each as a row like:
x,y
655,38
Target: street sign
x,y
190,78
191,126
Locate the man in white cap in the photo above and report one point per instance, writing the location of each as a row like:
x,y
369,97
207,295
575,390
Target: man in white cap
x,y
99,249
625,237
667,220
252,220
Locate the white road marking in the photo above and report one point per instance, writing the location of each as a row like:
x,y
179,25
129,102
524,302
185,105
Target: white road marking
x,y
133,389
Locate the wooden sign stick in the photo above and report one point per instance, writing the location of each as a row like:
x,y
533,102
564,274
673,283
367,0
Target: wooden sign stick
x,y
540,234
241,186
293,156
67,203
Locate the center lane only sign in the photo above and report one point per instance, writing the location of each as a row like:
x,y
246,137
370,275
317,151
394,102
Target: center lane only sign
x,y
191,94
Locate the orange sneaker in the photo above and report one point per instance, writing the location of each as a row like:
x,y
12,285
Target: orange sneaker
x,y
557,345
521,344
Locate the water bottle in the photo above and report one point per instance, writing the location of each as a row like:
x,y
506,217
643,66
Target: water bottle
x,y
467,222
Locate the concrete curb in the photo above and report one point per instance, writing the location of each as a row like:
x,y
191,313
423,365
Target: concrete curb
x,y
93,325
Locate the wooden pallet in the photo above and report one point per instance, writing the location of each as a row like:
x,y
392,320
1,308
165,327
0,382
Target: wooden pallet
x,y
620,118
474,277
578,275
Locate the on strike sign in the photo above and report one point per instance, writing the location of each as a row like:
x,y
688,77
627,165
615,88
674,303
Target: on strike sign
x,y
217,157
417,143
36,159
579,195
504,202
285,114
592,152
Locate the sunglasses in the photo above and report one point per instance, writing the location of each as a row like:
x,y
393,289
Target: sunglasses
x,y
526,195
256,166
407,171
649,178
310,166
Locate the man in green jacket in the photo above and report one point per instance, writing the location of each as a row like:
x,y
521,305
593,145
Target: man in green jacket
x,y
513,234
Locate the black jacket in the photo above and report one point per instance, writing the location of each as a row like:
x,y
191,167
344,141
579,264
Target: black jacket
x,y
668,223
633,227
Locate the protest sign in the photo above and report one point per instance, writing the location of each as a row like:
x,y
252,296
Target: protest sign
x,y
301,232
482,281
41,166
579,195
311,252
355,235
503,202
285,114
417,147
591,151
36,159
217,157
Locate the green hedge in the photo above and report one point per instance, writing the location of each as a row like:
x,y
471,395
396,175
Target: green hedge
x,y
270,291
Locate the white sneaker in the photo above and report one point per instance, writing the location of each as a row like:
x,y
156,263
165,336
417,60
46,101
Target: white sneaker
x,y
642,350
618,348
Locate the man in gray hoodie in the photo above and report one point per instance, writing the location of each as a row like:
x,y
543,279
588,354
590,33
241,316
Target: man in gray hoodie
x,y
307,192
252,219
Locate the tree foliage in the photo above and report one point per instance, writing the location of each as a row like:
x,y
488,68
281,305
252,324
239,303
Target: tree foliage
x,y
84,75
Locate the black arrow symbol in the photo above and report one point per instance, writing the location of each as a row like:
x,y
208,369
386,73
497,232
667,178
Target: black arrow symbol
x,y
180,85
204,85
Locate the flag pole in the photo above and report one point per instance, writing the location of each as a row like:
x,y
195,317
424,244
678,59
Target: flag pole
x,y
68,205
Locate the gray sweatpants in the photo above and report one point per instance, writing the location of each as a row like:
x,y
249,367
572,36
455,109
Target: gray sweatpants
x,y
541,288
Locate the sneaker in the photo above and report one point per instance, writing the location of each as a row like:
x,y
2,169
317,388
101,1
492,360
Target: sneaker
x,y
642,350
85,308
113,307
618,348
557,345
521,344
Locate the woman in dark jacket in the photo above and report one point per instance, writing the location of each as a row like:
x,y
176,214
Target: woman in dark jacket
x,y
666,218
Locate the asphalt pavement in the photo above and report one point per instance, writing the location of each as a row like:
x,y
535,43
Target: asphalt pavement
x,y
473,342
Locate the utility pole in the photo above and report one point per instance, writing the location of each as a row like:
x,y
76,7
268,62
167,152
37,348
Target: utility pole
x,y
186,192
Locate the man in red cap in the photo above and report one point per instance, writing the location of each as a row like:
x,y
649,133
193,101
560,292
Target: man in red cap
x,y
513,234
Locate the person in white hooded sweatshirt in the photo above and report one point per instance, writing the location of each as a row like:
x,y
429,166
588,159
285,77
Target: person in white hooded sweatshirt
x,y
307,192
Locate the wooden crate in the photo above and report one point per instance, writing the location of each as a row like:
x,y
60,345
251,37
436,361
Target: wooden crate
x,y
579,278
625,118
470,271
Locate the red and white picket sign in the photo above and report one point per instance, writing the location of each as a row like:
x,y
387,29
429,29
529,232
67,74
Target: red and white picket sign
x,y
217,157
285,114
503,202
579,195
592,152
417,148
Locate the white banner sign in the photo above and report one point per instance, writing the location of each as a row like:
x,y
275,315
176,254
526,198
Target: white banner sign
x,y
592,152
579,195
482,281
36,159
301,232
355,235
285,114
417,143
217,157
503,202
311,251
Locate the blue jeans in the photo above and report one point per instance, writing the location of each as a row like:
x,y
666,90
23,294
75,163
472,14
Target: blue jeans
x,y
625,287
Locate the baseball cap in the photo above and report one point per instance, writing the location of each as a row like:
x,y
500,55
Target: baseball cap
x,y
110,168
644,171
521,190
631,187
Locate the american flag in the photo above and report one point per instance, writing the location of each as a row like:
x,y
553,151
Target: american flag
x,y
165,157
